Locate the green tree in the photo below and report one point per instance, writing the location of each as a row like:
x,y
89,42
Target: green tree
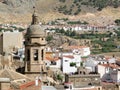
x,y
72,64
62,1
73,33
59,77
81,64
117,21
49,38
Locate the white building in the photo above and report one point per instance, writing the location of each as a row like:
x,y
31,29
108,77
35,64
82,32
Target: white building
x,y
112,60
109,72
66,64
92,61
53,62
48,88
71,62
84,50
67,61
90,64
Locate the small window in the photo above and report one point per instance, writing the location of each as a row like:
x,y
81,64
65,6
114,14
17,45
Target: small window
x,y
42,38
66,87
66,60
84,72
53,63
28,39
80,72
28,55
36,54
98,88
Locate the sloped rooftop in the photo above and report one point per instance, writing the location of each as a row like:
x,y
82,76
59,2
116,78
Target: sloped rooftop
x,y
13,75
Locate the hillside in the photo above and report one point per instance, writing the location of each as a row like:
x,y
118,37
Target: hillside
x,y
60,40
20,11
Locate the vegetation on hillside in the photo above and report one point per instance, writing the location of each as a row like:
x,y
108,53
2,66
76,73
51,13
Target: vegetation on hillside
x,y
11,29
67,21
74,8
49,38
100,42
117,21
100,4
77,22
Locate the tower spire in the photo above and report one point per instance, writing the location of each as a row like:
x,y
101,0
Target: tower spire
x,y
35,19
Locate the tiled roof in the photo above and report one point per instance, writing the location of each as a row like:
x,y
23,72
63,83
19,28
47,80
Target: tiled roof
x,y
114,66
26,86
107,83
69,56
30,86
13,75
107,58
16,79
52,59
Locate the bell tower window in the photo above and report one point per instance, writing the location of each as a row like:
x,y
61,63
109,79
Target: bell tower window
x,y
28,39
28,55
35,54
28,60
42,54
42,38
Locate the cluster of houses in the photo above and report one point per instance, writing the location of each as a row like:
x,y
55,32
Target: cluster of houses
x,y
67,61
75,62
81,27
82,69
12,26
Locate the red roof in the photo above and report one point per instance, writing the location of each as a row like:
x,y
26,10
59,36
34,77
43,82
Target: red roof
x,y
114,66
69,56
107,58
52,59
107,83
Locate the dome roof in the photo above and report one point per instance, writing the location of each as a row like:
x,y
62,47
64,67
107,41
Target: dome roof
x,y
36,31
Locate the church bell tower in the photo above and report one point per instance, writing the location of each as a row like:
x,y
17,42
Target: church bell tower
x,y
35,44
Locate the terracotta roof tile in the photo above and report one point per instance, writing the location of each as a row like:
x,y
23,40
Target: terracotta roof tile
x,y
114,66
69,56
52,59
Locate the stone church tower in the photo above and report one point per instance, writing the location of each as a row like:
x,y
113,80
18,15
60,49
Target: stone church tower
x,y
35,44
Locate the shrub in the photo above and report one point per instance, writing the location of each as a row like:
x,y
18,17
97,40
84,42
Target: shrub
x,y
62,1
117,21
49,38
72,64
59,77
